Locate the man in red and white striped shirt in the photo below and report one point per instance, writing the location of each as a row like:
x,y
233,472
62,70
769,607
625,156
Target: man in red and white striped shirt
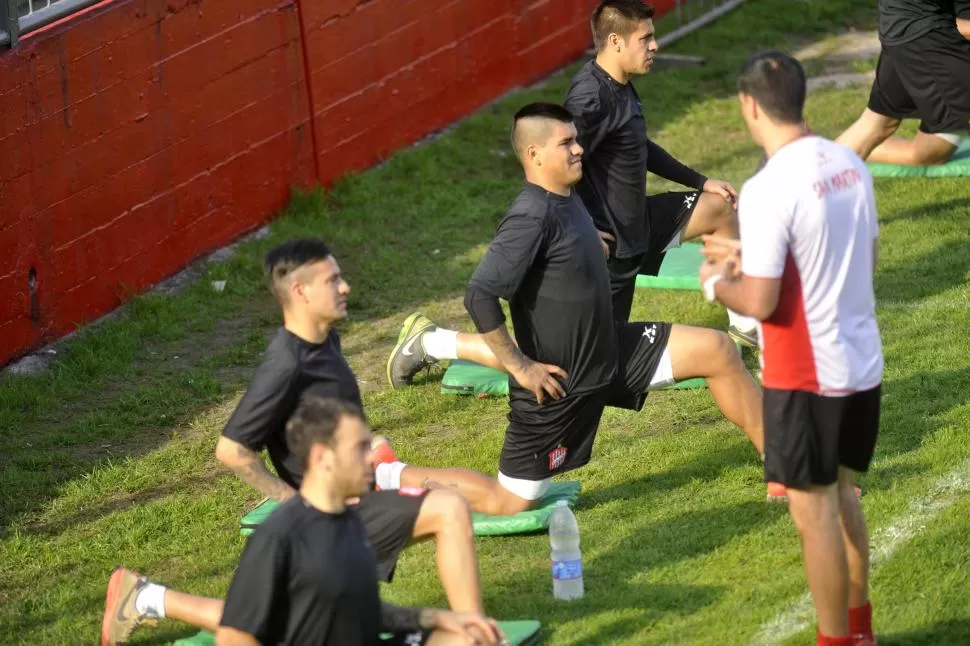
x,y
804,268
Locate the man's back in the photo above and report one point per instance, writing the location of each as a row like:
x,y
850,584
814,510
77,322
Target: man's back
x,y
612,131
809,217
290,367
901,21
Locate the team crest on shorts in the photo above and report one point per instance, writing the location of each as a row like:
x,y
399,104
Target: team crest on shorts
x,y
557,457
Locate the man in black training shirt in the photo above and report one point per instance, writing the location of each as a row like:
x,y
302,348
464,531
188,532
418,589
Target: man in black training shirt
x,y
573,358
307,575
923,73
638,229
305,357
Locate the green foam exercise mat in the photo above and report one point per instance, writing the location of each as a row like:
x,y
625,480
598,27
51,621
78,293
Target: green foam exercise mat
x,y
681,269
519,633
534,520
958,166
470,378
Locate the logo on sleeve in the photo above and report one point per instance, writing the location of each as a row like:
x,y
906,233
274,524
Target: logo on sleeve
x,y
650,331
557,457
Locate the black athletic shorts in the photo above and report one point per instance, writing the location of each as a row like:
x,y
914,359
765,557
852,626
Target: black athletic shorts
x,y
808,436
558,436
413,638
927,79
668,214
389,518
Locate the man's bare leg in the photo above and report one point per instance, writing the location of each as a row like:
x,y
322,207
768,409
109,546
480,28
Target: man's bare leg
x,y
445,516
132,601
869,130
923,150
713,214
855,535
707,353
815,511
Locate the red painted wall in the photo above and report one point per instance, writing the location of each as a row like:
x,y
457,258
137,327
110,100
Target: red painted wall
x,y
141,135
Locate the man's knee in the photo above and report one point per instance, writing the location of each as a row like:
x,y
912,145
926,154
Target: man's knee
x,y
443,510
814,508
702,352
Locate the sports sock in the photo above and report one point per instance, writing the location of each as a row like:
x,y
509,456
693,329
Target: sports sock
x,y
388,475
441,344
743,323
151,601
834,641
860,620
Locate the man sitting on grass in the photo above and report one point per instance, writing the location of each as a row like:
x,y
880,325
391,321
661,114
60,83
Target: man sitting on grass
x,y
308,575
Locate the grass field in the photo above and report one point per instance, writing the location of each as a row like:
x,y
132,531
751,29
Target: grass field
x,y
107,459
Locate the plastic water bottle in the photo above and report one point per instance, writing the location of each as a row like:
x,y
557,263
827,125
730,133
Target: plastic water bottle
x,y
567,560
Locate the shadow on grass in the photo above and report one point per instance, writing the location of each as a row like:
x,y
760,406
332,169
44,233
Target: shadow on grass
x,y
952,631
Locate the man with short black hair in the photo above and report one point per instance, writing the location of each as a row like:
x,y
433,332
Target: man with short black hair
x,y
307,574
804,268
573,357
923,73
305,357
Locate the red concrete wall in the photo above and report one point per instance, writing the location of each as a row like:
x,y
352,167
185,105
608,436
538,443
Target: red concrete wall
x,y
143,134
135,138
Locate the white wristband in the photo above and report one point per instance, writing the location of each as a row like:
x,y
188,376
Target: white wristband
x,y
709,287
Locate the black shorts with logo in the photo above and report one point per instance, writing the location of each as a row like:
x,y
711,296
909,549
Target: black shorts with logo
x,y
809,436
928,79
558,436
413,638
668,214
389,518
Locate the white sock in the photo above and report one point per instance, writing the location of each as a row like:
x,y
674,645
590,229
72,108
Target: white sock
x,y
441,344
743,323
388,475
151,601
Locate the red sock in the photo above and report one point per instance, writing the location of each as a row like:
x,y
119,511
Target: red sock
x,y
834,641
860,620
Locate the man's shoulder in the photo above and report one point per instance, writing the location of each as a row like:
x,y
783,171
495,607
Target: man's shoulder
x,y
531,203
586,91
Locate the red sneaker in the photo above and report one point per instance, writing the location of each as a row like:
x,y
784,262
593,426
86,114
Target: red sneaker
x,y
383,452
778,492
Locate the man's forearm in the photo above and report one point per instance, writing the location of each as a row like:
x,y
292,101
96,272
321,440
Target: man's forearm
x,y
732,294
250,468
505,349
398,619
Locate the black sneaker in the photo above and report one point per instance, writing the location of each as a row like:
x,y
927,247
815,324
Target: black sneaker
x,y
408,356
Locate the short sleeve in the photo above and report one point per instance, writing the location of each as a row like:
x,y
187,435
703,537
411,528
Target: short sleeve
x,y
510,255
259,583
589,114
265,404
764,233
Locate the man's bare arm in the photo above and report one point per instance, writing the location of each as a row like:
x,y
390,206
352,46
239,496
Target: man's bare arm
x,y
232,637
505,350
400,619
249,466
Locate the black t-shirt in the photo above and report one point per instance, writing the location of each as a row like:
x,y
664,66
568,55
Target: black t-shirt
x,y
547,261
306,578
901,21
290,367
617,155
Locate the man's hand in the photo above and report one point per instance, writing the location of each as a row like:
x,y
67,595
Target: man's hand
x,y
605,239
477,630
540,378
718,249
722,188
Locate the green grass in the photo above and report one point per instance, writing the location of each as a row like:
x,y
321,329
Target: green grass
x,y
108,458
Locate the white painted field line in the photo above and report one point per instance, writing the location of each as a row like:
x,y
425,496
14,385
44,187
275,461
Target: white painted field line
x,y
884,543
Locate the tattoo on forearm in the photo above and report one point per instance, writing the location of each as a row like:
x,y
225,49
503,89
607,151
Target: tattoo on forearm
x,y
396,619
254,473
504,348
